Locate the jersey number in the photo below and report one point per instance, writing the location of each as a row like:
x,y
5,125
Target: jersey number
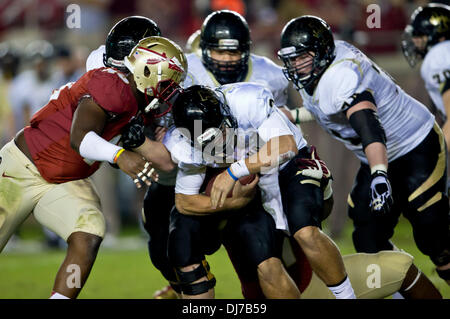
x,y
445,76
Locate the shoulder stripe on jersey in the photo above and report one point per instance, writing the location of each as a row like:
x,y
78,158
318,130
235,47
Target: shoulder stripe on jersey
x,y
249,70
216,83
358,64
189,74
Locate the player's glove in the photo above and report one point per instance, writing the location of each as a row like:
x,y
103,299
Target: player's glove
x,y
381,193
133,133
316,169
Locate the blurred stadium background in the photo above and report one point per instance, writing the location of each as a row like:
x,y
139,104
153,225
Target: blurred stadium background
x,y
40,50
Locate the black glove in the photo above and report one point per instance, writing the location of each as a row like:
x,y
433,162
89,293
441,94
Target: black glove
x,y
133,133
381,193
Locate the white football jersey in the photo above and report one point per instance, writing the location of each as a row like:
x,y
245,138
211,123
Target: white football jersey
x,y
406,121
260,70
252,106
95,58
258,120
435,71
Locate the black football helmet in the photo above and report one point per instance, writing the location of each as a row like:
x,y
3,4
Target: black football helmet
x,y
432,21
310,35
203,116
124,36
225,30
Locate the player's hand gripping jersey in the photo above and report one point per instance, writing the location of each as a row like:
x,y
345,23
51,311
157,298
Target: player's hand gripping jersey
x,y
48,136
406,121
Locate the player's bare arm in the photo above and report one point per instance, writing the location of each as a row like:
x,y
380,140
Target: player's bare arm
x,y
88,122
275,152
200,204
157,154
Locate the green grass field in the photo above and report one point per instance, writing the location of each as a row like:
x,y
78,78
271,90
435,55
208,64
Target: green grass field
x,y
128,273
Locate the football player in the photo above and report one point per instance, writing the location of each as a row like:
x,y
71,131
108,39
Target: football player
x,y
401,148
120,41
427,37
45,168
215,129
377,276
220,54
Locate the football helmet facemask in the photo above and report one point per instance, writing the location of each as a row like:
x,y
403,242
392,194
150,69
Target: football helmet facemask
x,y
228,31
306,36
158,66
203,116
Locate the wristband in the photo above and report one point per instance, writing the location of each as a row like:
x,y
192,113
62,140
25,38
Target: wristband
x,y
378,167
231,174
118,154
96,148
239,168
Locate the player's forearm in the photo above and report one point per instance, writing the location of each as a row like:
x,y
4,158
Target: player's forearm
x,y
376,155
274,153
201,204
88,117
157,154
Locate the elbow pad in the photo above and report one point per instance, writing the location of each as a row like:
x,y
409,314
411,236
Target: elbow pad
x,y
368,126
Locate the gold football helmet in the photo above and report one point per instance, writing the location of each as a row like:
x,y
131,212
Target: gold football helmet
x,y
158,66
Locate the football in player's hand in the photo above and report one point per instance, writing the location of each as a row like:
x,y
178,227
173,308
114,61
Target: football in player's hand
x,y
211,177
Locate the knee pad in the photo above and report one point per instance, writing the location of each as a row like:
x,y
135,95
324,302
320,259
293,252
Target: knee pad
x,y
185,279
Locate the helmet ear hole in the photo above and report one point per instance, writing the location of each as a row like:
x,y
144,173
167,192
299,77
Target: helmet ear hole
x,y
147,72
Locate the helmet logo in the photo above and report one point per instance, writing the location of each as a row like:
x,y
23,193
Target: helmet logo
x,y
440,21
175,65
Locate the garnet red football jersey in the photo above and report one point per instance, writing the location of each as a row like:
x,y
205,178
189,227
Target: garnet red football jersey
x,y
48,136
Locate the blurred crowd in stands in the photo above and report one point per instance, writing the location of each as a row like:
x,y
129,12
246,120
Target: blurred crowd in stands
x,y
40,51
